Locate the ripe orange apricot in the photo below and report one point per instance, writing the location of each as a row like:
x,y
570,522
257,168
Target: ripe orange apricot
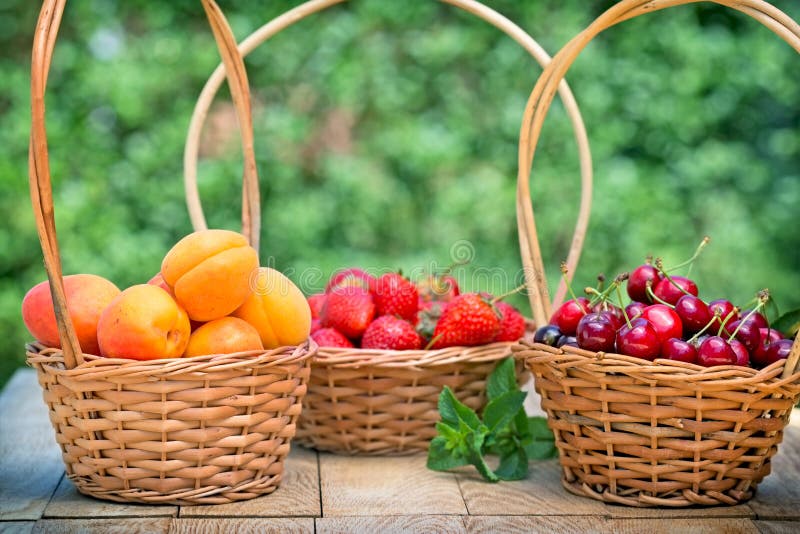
x,y
209,272
143,323
278,310
87,296
223,336
158,281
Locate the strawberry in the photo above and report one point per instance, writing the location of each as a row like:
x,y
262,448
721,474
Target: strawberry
x,y
512,323
469,319
330,337
352,276
349,309
396,295
438,288
391,333
316,324
316,302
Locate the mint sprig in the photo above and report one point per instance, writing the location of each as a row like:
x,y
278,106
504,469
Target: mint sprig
x,y
506,431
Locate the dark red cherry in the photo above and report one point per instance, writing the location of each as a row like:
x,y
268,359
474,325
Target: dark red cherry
x,y
742,354
635,309
693,312
567,316
778,350
614,316
665,321
637,282
699,341
722,309
596,333
639,339
767,336
715,351
548,334
746,333
679,350
672,289
756,318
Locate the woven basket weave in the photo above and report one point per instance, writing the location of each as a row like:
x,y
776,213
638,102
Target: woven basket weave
x,y
203,430
642,433
385,402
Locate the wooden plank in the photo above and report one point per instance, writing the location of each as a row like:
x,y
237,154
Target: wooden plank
x,y
778,495
297,496
68,503
778,527
386,486
16,527
30,460
622,512
539,494
397,524
487,524
682,526
210,525
134,525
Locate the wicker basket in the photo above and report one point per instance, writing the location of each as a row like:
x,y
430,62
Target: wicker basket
x,y
645,433
385,402
203,430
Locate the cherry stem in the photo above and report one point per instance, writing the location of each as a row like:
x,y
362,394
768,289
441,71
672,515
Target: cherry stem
x,y
706,327
696,254
564,271
660,267
601,280
649,287
622,306
727,318
761,300
514,291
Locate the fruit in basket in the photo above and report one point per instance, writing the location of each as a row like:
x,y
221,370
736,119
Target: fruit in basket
x,y
512,323
87,296
316,302
548,334
396,295
435,287
330,337
391,333
639,279
348,309
664,320
277,309
639,339
670,290
723,311
467,320
567,316
679,350
210,272
158,281
352,276
227,335
715,351
778,350
595,332
693,312
143,323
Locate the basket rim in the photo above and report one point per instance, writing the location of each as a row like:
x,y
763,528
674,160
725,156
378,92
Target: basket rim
x,y
660,369
98,367
381,358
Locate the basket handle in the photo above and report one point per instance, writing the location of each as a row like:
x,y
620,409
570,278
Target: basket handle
x,y
191,153
542,97
39,166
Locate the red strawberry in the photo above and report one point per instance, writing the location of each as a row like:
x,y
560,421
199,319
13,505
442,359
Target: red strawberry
x,y
352,276
316,324
390,333
395,295
330,337
512,323
316,302
348,309
438,288
468,319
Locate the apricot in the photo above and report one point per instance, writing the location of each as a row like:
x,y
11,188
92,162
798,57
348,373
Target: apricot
x,y
278,310
223,336
209,272
143,323
158,281
87,296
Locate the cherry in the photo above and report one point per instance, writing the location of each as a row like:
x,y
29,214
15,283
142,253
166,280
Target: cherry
x,y
742,354
634,309
697,341
664,320
722,309
767,336
778,350
715,351
614,315
693,312
639,339
548,334
566,317
638,279
596,333
746,333
757,318
568,341
673,288
679,350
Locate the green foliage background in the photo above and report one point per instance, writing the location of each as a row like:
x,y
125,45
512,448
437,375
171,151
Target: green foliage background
x,y
387,131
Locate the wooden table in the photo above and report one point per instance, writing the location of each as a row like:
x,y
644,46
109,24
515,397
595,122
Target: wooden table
x,y
327,493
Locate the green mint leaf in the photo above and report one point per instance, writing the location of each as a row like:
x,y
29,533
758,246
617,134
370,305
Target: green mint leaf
x,y
502,409
513,464
453,410
502,379
442,458
788,323
541,442
541,450
537,426
476,459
